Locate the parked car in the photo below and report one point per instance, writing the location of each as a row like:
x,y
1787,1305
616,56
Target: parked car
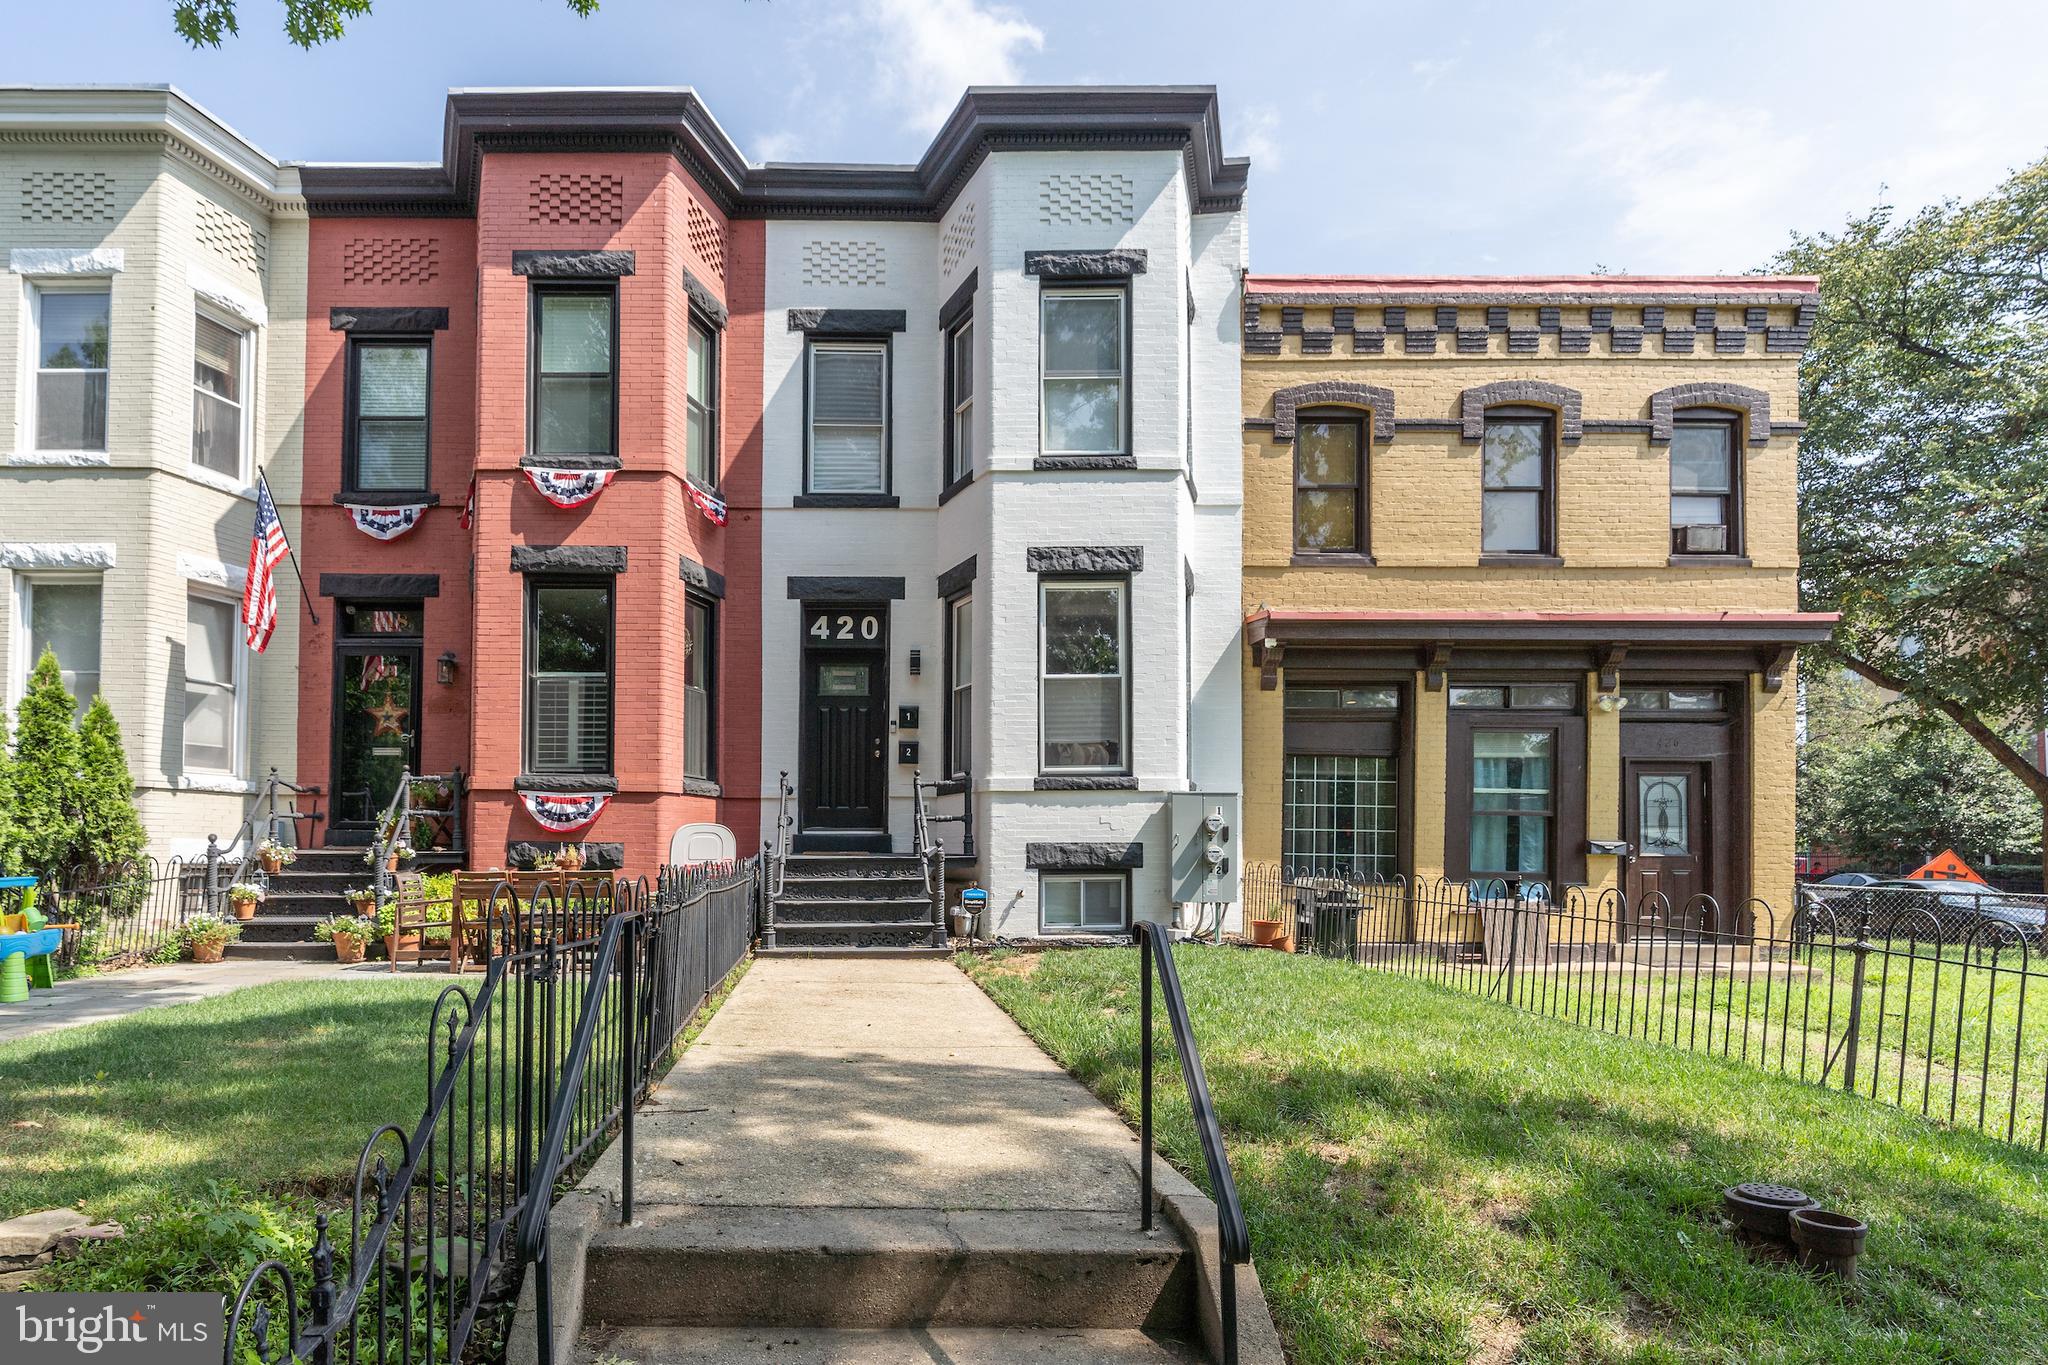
x,y
1829,888
1935,909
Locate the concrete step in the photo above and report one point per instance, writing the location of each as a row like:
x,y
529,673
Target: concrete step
x,y
281,928
826,885
705,1266
790,909
853,951
913,1346
853,865
852,934
296,951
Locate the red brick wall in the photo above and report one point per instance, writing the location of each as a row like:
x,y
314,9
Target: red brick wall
x,y
386,263
739,729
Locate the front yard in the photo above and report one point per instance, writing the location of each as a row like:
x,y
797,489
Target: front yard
x,y
1431,1177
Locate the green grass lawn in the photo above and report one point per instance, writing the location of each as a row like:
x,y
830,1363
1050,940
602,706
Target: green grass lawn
x,y
271,1088
1432,1177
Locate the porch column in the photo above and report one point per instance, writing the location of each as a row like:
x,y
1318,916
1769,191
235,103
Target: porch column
x,y
1603,787
1432,740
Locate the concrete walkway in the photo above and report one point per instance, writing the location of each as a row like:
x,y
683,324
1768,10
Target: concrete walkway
x,y
875,1085
89,999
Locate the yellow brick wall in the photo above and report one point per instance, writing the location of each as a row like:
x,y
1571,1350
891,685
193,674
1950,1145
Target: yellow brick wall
x,y
1772,757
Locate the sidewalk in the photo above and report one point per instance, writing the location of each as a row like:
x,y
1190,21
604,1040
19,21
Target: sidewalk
x,y
89,999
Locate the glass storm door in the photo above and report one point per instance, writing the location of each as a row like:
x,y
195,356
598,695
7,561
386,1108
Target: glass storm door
x,y
376,713
1666,823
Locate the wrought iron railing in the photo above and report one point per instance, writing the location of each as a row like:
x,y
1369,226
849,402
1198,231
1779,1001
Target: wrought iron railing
x,y
775,856
931,859
1233,1238
581,1005
406,814
1928,999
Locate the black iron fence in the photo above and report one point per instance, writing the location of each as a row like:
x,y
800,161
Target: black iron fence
x,y
134,914
579,1011
1929,1000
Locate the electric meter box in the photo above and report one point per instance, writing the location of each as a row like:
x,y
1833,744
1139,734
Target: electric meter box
x,y
1206,856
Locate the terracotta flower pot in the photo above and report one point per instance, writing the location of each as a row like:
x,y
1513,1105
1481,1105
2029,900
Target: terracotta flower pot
x,y
208,952
244,909
391,863
272,864
348,948
1267,933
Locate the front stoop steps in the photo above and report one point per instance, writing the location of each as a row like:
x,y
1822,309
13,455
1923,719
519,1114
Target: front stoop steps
x,y
690,1285
853,904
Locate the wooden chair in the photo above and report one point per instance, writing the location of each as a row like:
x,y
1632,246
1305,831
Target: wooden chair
x,y
408,915
471,914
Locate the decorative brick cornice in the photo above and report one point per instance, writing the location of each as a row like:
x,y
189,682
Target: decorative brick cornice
x,y
1473,403
1335,393
1754,403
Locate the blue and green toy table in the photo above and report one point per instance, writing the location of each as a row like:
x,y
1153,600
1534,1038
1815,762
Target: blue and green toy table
x,y
29,958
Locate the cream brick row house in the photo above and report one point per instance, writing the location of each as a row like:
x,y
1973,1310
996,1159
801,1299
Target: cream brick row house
x,y
151,358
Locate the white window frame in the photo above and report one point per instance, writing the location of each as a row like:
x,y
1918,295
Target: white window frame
x,y
1122,296
1122,587
959,645
238,730
811,353
245,334
1120,880
25,581
31,357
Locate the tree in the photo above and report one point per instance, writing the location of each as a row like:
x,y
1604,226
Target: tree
x,y
110,834
1887,783
308,23
1924,468
46,772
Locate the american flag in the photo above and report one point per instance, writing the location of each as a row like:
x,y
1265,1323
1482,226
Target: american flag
x,y
707,502
266,547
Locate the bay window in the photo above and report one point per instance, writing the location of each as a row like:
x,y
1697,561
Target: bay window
x,y
569,676
71,359
574,388
960,401
219,427
1084,686
701,460
699,685
213,649
1083,355
959,686
62,615
849,417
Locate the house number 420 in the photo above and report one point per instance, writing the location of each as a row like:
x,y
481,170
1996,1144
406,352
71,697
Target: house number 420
x,y
847,627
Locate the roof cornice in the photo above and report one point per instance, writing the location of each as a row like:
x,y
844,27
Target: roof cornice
x,y
676,121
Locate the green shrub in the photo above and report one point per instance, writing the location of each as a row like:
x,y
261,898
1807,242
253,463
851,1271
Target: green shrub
x,y
46,773
206,1245
109,833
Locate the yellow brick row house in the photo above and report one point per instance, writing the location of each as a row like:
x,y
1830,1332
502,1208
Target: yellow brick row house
x,y
1520,580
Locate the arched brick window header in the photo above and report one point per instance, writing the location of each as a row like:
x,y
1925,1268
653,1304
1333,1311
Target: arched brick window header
x,y
1473,404
1753,402
1287,401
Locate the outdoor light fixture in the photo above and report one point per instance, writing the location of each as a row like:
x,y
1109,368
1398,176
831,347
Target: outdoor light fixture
x,y
444,668
916,662
1610,701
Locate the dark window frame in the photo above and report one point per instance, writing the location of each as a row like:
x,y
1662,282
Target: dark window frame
x,y
1546,496
1127,766
535,583
351,435
1117,285
1566,855
1731,425
958,765
536,292
954,473
887,342
1084,874
714,337
710,604
1360,487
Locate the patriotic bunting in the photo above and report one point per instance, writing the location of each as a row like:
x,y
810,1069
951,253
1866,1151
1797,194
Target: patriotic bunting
x,y
707,502
563,812
386,523
569,487
469,507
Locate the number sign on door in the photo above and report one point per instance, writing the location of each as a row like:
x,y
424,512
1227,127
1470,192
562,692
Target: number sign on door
x,y
843,629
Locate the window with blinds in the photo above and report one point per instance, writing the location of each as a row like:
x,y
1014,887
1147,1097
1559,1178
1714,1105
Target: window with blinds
x,y
70,348
569,677
212,710
701,461
575,363
1083,682
388,426
217,397
698,683
849,435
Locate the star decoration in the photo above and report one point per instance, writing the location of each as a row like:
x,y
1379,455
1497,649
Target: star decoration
x,y
390,716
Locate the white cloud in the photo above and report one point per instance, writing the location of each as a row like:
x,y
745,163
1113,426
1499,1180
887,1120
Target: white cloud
x,y
1430,70
927,51
1255,132
777,146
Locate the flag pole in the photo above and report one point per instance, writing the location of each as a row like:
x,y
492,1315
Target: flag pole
x,y
289,552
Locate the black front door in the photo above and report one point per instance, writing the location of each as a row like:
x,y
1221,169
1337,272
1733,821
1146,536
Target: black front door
x,y
376,712
843,799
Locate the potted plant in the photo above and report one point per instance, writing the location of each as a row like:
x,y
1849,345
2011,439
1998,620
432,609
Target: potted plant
x,y
569,858
362,900
208,936
244,896
275,856
544,862
395,942
348,933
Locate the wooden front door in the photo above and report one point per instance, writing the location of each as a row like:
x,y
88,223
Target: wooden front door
x,y
843,787
1666,807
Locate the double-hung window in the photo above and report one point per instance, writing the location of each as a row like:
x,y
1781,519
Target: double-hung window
x,y
849,406
1089,902
960,401
575,380
386,441
1084,683
1329,486
702,457
70,397
1516,749
569,676
1083,359
62,615
959,686
1704,495
219,396
213,656
1517,498
700,662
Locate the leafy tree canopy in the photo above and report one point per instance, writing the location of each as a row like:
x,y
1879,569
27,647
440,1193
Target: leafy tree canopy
x,y
308,23
1924,468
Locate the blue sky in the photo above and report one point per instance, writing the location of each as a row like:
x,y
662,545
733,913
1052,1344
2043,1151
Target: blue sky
x,y
1446,137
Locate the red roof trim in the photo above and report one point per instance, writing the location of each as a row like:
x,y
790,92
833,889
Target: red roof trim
x,y
1646,618
1619,285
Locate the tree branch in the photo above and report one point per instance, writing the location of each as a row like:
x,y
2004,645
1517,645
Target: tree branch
x,y
1994,743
